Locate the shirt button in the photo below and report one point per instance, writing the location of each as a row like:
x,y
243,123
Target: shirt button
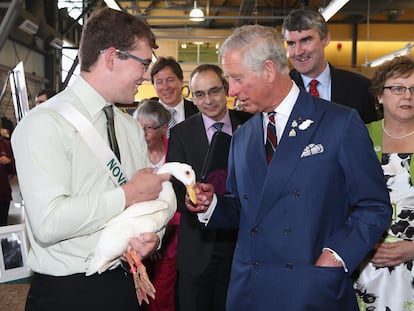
x,y
289,265
295,193
286,230
255,264
244,196
254,231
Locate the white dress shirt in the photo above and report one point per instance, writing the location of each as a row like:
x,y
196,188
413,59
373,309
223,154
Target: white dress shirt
x,y
180,113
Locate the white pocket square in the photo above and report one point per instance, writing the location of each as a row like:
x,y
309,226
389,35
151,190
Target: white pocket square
x,y
312,149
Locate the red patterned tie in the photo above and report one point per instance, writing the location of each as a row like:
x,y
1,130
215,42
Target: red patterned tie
x,y
271,140
312,88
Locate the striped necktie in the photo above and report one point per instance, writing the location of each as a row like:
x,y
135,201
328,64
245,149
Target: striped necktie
x,y
172,121
271,138
312,88
109,113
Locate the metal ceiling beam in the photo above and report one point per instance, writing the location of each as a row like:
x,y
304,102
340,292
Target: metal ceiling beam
x,y
280,17
7,24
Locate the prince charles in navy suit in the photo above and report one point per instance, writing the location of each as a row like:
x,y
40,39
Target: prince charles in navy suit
x,y
308,218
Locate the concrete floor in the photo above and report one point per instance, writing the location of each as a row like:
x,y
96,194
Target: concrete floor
x,y
13,296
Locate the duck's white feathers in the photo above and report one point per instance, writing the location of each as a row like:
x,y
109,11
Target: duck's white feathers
x,y
149,216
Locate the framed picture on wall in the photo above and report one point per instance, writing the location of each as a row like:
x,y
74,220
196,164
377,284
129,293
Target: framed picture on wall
x,y
13,253
19,91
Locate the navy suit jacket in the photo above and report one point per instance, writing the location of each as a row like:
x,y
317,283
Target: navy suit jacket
x,y
289,211
188,143
349,89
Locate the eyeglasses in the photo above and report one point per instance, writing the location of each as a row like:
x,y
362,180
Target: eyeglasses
x,y
214,91
144,62
399,89
151,128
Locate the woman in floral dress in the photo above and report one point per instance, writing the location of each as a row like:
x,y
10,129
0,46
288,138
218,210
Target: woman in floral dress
x,y
386,279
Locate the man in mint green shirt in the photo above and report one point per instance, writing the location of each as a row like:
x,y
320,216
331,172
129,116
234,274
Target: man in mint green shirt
x,y
67,191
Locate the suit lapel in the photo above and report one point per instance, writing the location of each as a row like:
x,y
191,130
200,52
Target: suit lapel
x,y
250,151
189,108
336,86
235,122
295,75
198,146
289,150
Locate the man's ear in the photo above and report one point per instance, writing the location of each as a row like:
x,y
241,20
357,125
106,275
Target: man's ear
x,y
270,71
108,55
327,39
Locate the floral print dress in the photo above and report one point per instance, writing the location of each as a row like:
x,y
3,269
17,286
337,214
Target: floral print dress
x,y
392,288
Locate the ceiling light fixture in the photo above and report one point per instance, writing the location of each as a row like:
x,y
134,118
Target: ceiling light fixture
x,y
57,43
379,61
196,14
29,27
113,4
333,7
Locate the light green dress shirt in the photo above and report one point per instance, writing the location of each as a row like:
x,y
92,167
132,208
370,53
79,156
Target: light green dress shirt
x,y
68,194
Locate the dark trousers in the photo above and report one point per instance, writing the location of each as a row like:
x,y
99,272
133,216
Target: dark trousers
x,y
207,291
4,212
111,291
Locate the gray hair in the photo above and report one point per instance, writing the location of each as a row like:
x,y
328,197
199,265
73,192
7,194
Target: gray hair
x,y
257,44
152,111
305,19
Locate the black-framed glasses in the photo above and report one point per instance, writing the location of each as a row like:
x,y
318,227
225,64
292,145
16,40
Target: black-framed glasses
x,y
144,62
214,91
399,89
151,128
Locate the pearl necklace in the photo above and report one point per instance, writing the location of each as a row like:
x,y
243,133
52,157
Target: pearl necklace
x,y
392,136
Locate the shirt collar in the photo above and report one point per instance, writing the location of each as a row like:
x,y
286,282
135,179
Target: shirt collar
x,y
91,99
323,78
208,122
179,108
283,111
286,106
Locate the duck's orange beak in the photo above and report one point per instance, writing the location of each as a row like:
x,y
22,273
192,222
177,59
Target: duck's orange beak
x,y
192,193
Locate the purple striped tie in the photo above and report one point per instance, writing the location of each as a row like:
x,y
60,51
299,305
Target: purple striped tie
x,y
271,140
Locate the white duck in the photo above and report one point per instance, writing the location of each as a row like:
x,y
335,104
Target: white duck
x,y
149,216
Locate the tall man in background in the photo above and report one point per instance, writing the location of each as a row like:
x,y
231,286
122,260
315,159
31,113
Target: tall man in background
x,y
306,34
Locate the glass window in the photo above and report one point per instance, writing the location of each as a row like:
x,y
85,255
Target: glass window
x,y
198,52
